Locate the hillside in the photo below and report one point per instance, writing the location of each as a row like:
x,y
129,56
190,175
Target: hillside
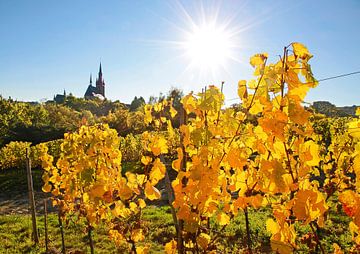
x,y
330,110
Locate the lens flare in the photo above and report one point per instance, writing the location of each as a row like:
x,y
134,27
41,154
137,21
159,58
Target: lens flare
x,y
207,46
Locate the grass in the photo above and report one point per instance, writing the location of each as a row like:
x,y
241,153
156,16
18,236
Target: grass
x,y
15,230
15,234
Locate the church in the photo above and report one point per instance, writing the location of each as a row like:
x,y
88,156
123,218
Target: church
x,y
97,91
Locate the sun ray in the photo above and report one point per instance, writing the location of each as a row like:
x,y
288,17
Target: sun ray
x,y
208,41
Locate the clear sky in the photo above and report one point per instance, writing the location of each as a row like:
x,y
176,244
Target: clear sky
x,y
48,46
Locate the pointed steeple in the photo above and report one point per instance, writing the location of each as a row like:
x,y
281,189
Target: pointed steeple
x,y
100,71
100,84
90,79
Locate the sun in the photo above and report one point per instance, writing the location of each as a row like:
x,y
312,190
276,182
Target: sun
x,y
208,46
208,41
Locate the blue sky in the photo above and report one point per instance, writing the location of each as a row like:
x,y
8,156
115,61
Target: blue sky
x,y
48,46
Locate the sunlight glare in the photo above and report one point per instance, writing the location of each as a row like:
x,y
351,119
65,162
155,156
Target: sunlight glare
x,y
207,46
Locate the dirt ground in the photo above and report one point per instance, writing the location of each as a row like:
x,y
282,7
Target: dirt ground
x,y
19,203
14,197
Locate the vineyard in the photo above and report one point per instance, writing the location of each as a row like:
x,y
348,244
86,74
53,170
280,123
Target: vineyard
x,y
266,176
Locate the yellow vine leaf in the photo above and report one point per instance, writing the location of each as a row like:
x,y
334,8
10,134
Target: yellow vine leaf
x,y
176,164
256,107
337,249
311,148
242,91
116,237
141,203
158,106
159,145
137,235
157,171
147,116
357,112
189,103
354,230
151,192
86,197
46,188
272,226
281,247
133,207
146,160
235,159
309,205
354,128
258,59
203,240
119,210
301,51
98,190
143,249
173,111
223,219
170,247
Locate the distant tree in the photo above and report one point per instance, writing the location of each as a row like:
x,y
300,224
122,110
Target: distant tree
x,y
117,120
135,122
175,94
137,103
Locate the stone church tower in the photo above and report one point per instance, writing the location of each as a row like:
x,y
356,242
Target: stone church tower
x,y
97,91
100,84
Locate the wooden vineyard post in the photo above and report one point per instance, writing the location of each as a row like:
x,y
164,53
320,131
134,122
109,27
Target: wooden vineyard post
x,y
63,250
170,193
183,121
248,235
91,242
31,197
46,226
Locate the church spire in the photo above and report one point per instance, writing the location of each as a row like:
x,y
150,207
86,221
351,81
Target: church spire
x,y
100,84
100,71
90,79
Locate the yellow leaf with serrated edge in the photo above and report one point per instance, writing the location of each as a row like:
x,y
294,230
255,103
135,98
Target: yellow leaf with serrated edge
x,y
146,160
314,150
235,159
133,207
85,197
223,219
159,146
258,59
170,130
301,51
272,226
173,112
242,91
281,247
170,247
157,171
137,235
354,128
256,107
141,203
176,164
337,249
147,116
203,240
97,190
151,192
46,188
143,249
